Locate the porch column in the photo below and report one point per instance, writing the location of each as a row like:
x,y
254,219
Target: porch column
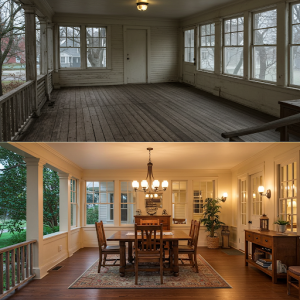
x,y
30,51
50,46
65,207
34,211
218,47
282,43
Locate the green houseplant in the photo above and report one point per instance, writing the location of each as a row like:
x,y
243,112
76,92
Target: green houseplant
x,y
282,225
211,221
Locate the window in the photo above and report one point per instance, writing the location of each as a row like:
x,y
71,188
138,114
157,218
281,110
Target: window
x,y
69,46
189,45
73,203
256,181
207,47
243,199
233,51
62,59
96,47
128,203
99,202
202,190
38,44
288,195
179,199
295,46
264,38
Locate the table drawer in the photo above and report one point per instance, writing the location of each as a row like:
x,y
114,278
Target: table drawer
x,y
267,241
249,236
256,238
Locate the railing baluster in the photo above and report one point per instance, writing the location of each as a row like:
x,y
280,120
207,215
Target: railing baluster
x,y
13,268
1,274
18,265
27,262
31,259
7,270
22,263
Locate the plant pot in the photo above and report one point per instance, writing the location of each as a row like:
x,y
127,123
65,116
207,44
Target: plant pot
x,y
212,242
281,228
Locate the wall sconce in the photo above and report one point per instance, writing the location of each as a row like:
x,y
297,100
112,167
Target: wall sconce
x,y
261,190
224,197
142,5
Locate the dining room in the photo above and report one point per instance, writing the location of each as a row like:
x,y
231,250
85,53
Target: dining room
x,y
134,220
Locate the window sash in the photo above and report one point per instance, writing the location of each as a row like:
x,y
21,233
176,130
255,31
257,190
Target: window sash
x,y
209,48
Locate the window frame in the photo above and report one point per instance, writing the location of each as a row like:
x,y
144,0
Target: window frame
x,y
184,47
186,203
75,193
200,46
291,44
252,58
134,195
223,47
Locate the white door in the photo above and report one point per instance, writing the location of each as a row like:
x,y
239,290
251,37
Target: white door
x,y
136,55
256,208
243,197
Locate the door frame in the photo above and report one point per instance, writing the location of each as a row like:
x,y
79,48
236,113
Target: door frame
x,y
148,55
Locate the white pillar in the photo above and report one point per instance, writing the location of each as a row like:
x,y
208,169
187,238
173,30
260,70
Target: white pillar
x,y
282,43
65,207
30,51
50,46
44,46
56,57
218,47
34,211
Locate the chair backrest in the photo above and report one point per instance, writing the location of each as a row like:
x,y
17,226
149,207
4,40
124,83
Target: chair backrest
x,y
179,221
196,233
191,233
100,234
149,238
149,222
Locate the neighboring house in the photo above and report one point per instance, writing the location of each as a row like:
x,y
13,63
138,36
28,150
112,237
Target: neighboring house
x,y
17,52
69,56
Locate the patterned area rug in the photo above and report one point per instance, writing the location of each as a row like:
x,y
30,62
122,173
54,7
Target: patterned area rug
x,y
109,278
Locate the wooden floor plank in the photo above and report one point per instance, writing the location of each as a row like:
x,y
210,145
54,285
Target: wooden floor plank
x,y
146,112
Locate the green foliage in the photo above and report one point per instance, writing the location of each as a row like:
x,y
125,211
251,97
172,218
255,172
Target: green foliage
x,y
211,215
282,222
92,214
18,237
5,240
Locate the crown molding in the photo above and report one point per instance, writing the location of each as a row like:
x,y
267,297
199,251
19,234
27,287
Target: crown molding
x,y
42,7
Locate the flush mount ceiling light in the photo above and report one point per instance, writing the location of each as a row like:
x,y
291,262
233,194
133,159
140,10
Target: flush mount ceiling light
x,y
142,5
150,186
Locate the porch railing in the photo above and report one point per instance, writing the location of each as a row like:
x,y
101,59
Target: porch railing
x,y
16,266
16,107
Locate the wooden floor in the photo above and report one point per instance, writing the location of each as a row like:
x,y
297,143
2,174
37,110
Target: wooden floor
x,y
246,282
170,112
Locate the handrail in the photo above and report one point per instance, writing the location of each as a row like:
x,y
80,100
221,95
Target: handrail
x,y
281,123
16,266
15,91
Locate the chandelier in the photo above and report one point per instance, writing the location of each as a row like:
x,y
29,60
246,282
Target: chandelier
x,y
150,186
142,5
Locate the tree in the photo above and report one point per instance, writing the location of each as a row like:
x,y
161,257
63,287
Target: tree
x,y
12,28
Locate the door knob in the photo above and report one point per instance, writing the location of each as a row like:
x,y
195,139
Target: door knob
x,y
250,222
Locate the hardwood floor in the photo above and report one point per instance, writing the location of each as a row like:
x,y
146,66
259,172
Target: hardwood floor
x,y
246,282
170,112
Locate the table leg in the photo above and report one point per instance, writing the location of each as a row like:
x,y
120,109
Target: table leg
x,y
130,257
175,253
246,252
122,258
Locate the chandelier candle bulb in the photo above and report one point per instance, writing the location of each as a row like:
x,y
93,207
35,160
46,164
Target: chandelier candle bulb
x,y
156,184
144,184
261,189
165,184
135,184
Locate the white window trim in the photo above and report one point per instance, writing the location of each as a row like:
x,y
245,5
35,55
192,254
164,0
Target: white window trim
x,y
186,203
195,48
128,203
75,203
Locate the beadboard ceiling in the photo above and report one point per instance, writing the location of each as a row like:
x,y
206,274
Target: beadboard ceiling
x,y
174,9
221,156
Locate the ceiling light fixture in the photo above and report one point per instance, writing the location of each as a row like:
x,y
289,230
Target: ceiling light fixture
x,y
142,6
150,186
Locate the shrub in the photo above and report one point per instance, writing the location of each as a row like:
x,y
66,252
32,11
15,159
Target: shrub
x,y
18,237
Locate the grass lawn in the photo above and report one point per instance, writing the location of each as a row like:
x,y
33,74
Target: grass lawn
x,y
14,66
5,240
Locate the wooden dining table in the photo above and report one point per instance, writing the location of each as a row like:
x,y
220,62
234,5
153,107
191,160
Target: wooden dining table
x,y
122,237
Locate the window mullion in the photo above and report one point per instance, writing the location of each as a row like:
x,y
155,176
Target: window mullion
x,y
83,50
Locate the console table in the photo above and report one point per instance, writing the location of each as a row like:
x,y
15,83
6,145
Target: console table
x,y
283,247
165,219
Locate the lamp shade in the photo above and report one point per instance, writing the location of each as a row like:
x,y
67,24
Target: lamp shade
x,y
225,195
135,184
156,184
261,189
144,184
142,6
165,184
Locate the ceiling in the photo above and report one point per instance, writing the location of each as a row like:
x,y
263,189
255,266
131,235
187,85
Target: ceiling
x,y
164,156
174,9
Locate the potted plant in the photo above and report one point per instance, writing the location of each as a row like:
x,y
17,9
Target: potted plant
x,y
211,221
282,225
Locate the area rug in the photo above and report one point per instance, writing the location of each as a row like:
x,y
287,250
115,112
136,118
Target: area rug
x,y
232,251
109,278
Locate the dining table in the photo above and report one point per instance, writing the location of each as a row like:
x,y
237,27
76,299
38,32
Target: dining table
x,y
125,236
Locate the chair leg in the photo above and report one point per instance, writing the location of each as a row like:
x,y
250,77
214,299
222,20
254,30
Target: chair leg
x,y
136,267
191,259
195,262
104,261
100,260
288,283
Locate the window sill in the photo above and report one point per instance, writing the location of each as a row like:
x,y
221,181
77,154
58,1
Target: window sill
x,y
75,228
85,69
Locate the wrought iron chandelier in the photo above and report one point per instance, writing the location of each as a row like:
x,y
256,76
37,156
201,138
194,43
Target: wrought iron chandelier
x,y
150,186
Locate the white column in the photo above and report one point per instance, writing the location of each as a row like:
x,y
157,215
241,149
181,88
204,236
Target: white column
x,y
56,57
50,46
218,47
282,43
65,207
34,211
30,51
44,47
247,45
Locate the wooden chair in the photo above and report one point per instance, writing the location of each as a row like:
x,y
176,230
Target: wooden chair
x,y
191,233
293,272
179,221
190,249
146,249
149,222
103,248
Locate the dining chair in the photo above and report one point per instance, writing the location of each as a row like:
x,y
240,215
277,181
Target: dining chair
x,y
103,248
293,273
149,222
189,249
179,221
146,249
